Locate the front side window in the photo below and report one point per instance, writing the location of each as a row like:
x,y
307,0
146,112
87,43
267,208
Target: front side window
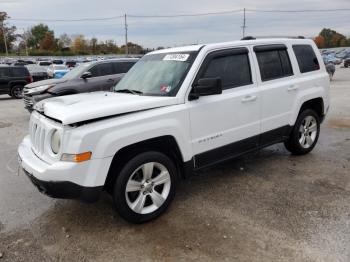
x,y
157,74
306,58
4,72
233,69
273,64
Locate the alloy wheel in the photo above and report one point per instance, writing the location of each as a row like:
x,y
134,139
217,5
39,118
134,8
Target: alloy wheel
x,y
148,188
308,132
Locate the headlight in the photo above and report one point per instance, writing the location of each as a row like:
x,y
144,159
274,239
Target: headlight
x,y
55,142
38,89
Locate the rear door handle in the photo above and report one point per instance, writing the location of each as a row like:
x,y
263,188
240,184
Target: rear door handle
x,y
292,88
249,98
110,80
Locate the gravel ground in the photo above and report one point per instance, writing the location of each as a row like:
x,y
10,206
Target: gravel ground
x,y
267,206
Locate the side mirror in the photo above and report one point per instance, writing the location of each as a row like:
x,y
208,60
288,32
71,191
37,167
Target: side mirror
x,y
86,74
206,87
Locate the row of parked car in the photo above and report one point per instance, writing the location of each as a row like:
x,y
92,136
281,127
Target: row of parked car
x,y
333,57
18,80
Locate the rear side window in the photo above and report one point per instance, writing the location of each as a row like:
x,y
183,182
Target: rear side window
x,y
122,67
233,69
19,72
273,64
306,58
125,66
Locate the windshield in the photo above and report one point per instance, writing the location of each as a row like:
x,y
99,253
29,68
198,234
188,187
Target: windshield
x,y
76,72
157,74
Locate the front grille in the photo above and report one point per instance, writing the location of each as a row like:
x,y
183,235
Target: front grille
x,y
37,136
28,101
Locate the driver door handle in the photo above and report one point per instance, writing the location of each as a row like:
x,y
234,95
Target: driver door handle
x,y
249,98
110,80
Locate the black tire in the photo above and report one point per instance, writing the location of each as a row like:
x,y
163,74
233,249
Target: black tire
x,y
16,92
120,196
293,144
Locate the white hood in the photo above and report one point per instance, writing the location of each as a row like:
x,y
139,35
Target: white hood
x,y
87,106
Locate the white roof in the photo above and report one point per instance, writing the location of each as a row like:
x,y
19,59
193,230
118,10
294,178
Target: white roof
x,y
233,43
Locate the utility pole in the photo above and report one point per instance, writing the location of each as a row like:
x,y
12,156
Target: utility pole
x,y
4,36
244,24
126,35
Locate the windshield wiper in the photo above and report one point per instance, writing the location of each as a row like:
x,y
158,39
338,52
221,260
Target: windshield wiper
x,y
130,91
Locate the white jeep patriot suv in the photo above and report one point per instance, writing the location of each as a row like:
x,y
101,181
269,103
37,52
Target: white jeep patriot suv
x,y
176,111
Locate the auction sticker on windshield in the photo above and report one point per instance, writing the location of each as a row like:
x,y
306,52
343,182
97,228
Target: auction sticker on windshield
x,y
176,57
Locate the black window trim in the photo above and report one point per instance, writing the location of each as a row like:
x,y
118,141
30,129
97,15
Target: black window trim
x,y
222,53
265,48
273,47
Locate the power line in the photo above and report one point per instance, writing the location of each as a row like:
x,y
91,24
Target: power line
x,y
67,20
299,11
185,15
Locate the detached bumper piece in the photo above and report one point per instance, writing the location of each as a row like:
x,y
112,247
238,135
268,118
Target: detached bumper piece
x,y
66,190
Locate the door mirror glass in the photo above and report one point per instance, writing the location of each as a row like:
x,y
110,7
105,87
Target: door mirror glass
x,y
207,87
86,74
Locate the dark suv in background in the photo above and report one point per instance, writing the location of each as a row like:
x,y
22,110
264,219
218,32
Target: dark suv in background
x,y
87,77
13,79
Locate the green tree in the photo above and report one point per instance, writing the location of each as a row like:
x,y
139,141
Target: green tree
x,y
332,38
9,33
37,34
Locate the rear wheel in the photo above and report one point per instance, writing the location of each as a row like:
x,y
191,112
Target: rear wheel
x,y
16,92
145,187
305,133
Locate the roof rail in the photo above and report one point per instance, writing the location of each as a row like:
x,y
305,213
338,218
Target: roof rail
x,y
264,37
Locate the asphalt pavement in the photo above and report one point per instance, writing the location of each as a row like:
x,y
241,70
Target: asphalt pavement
x,y
266,206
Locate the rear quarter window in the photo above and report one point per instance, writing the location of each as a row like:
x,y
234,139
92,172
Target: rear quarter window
x,y
306,58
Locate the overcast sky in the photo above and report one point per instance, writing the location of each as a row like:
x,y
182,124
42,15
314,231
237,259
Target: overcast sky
x,y
154,32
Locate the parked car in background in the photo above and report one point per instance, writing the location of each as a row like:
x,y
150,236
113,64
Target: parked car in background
x,y
13,79
37,72
71,63
347,62
57,71
333,59
44,63
57,62
87,77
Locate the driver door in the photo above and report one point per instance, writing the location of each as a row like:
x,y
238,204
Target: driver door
x,y
228,124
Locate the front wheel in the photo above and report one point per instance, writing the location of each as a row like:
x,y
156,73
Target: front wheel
x,y
145,187
305,133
